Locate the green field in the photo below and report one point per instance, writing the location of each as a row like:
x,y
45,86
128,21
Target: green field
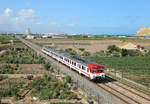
x,y
20,56
136,68
106,38
4,39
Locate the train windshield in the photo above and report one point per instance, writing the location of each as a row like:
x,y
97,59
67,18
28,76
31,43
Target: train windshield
x,y
98,70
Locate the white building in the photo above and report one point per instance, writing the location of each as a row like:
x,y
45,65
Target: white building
x,y
30,37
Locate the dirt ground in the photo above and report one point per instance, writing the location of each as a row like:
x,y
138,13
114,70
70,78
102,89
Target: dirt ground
x,y
89,45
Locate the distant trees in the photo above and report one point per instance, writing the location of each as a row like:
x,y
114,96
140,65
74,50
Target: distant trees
x,y
112,48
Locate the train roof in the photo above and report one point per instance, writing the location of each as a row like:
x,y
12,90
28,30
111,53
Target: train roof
x,y
72,57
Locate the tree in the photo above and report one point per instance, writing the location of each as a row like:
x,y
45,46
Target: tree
x,y
112,48
124,52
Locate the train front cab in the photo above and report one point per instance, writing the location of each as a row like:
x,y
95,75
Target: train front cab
x,y
97,71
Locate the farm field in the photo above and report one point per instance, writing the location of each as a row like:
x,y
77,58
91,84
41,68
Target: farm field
x,y
90,45
136,68
24,75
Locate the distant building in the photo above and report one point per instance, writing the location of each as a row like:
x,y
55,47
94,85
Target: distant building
x,y
59,37
128,46
30,37
45,36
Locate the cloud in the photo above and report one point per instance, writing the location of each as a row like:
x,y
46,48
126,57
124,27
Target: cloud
x,y
26,18
26,13
8,12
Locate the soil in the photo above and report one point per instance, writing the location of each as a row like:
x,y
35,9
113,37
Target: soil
x,y
89,45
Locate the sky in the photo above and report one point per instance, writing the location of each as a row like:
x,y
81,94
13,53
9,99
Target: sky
x,y
74,16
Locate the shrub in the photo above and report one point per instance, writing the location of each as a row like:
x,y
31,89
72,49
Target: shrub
x,y
47,65
72,52
85,53
112,48
30,77
3,77
81,49
68,79
124,52
52,70
68,49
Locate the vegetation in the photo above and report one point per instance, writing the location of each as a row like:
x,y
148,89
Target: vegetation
x,y
106,37
81,49
112,48
71,51
30,77
12,89
136,66
5,39
50,88
20,56
47,66
65,103
68,79
86,53
3,77
43,44
7,69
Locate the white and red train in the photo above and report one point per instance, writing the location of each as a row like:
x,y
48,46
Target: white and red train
x,y
87,68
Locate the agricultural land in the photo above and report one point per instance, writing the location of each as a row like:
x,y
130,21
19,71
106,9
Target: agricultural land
x,y
27,78
135,67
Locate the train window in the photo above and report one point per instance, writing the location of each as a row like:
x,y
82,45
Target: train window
x,y
61,57
88,70
83,68
65,59
74,64
79,66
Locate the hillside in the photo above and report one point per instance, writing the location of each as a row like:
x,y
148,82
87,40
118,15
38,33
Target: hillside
x,y
144,31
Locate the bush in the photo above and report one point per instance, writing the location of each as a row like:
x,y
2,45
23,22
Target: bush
x,y
81,49
30,77
68,79
68,49
112,48
85,53
3,77
47,65
72,52
7,69
124,52
52,70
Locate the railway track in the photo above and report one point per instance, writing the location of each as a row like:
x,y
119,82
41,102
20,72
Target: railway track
x,y
125,93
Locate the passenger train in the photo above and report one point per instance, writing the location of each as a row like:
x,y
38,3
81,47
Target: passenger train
x,y
87,68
